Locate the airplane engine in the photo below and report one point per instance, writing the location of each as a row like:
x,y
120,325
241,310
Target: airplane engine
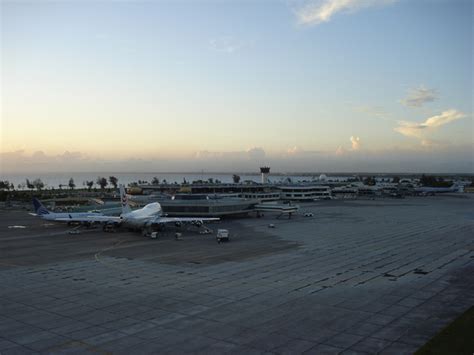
x,y
197,223
178,224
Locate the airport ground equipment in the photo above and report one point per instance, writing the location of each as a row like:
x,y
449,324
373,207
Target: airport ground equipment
x,y
222,235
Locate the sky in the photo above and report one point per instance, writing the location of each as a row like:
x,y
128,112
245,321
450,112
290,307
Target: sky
x,y
300,85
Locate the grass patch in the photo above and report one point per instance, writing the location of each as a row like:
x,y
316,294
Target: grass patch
x,y
456,338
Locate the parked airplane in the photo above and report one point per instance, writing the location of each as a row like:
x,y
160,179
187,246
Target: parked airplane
x,y
433,190
43,212
145,219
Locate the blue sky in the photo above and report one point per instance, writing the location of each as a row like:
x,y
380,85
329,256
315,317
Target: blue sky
x,y
322,84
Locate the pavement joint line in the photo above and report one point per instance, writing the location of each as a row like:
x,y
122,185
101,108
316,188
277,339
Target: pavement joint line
x,y
99,260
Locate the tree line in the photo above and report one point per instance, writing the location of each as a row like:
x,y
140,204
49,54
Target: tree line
x,y
112,181
38,184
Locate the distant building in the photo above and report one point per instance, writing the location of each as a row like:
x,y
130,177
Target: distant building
x,y
203,206
304,192
263,196
345,192
260,192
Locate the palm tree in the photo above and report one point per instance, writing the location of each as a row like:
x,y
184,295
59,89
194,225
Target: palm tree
x,y
71,184
38,184
4,185
113,181
29,185
102,182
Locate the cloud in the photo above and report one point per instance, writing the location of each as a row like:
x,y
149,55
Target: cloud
x,y
432,156
355,141
319,11
294,150
255,153
420,130
40,161
355,147
68,156
297,151
226,44
410,129
420,96
444,118
340,151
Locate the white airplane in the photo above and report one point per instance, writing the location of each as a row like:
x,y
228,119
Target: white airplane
x,y
145,219
44,213
433,190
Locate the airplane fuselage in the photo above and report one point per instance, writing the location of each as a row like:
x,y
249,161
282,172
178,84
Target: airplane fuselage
x,y
437,189
139,218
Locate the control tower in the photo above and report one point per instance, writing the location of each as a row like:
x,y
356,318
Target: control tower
x,y
265,170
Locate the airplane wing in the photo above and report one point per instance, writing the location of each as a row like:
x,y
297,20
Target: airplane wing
x,y
90,219
183,219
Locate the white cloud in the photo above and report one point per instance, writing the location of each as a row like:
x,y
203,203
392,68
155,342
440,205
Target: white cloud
x,y
68,156
420,130
444,118
298,152
255,153
355,142
294,150
410,129
419,96
355,147
319,11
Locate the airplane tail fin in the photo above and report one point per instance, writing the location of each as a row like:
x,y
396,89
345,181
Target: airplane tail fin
x,y
40,210
124,201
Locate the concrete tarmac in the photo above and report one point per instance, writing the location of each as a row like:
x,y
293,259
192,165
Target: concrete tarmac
x,y
363,276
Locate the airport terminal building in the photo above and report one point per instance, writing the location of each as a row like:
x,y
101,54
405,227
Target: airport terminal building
x,y
221,200
261,192
304,192
203,206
